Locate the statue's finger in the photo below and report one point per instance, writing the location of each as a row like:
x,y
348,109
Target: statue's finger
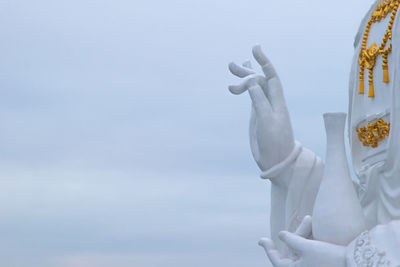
x,y
296,243
237,89
305,227
265,63
273,254
242,87
275,95
266,243
259,100
247,64
240,71
246,83
259,55
273,88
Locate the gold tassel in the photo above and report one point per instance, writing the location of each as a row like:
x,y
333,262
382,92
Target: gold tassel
x,y
385,74
385,67
371,91
361,89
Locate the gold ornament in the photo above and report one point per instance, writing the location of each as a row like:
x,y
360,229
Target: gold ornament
x,y
373,133
368,56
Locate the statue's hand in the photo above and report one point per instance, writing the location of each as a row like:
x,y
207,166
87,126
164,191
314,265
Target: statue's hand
x,y
271,135
305,252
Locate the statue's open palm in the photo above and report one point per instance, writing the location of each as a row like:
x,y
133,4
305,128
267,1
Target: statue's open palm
x,y
271,134
304,251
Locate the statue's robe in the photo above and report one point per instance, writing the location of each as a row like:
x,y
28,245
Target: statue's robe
x,y
377,169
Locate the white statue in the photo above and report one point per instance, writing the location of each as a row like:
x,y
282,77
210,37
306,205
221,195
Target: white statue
x,y
309,217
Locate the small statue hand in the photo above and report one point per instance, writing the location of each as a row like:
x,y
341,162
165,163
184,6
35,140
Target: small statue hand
x,y
271,134
305,252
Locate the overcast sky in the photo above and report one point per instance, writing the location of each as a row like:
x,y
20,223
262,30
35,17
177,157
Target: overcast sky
x,y
120,144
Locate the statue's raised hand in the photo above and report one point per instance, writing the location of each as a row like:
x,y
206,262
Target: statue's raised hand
x,y
271,134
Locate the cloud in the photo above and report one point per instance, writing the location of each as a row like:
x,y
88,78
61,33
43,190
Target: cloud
x,y
72,215
120,143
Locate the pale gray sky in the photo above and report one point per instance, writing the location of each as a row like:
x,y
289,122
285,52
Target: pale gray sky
x,y
120,143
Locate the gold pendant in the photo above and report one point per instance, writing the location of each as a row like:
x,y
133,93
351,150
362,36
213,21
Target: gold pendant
x,y
367,57
373,133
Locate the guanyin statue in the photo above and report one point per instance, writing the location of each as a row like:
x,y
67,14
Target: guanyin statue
x,y
319,216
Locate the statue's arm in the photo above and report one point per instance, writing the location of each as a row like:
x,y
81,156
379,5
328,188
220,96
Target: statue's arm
x,y
293,192
294,172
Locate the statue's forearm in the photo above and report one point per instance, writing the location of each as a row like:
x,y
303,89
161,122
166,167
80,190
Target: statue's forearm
x,y
278,213
293,192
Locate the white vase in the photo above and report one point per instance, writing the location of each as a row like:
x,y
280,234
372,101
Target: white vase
x,y
337,217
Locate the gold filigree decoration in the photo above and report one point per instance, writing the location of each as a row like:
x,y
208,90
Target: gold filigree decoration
x,y
373,133
368,56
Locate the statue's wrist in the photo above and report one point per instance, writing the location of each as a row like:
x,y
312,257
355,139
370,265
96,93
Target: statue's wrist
x,y
279,168
368,249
